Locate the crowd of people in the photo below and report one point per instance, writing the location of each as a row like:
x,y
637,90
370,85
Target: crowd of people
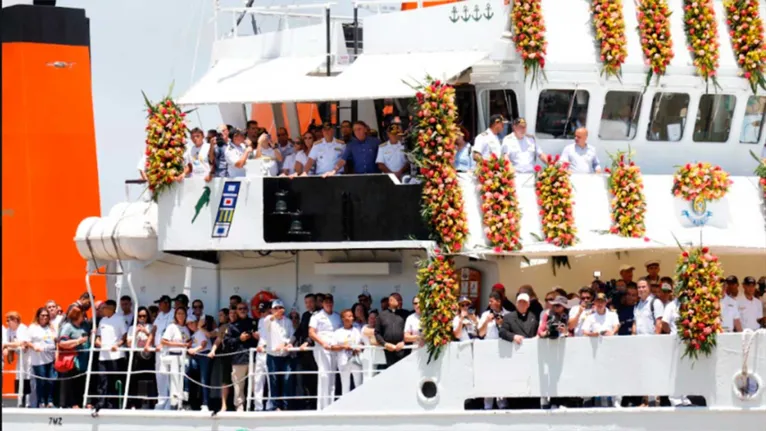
x,y
183,358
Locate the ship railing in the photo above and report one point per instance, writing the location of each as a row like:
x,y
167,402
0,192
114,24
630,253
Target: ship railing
x,y
371,357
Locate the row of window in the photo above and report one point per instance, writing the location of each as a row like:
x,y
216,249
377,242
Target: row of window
x,y
561,112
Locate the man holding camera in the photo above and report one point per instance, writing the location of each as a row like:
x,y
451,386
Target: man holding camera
x,y
465,323
555,322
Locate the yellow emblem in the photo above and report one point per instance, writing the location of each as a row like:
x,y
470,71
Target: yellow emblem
x,y
699,205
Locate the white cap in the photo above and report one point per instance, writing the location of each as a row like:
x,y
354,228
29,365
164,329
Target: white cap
x,y
191,319
522,297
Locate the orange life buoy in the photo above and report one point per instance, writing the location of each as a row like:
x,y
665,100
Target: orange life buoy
x,y
258,299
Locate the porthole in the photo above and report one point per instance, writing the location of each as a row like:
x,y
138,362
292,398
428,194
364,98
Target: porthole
x,y
747,386
428,391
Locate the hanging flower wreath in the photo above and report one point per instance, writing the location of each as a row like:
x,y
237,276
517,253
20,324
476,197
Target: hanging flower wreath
x,y
747,39
699,291
499,204
437,292
165,144
700,180
760,171
529,36
628,204
609,26
702,37
656,41
435,133
554,197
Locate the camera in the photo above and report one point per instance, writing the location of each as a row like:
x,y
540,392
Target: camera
x,y
554,327
219,141
596,274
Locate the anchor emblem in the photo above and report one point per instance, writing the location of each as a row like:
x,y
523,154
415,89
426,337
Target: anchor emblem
x,y
466,15
488,14
454,17
476,13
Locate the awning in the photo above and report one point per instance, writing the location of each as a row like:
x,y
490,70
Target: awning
x,y
234,80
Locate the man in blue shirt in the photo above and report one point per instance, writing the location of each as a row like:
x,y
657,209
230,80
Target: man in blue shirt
x,y
361,152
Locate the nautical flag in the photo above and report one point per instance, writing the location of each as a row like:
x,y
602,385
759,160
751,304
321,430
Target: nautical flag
x,y
221,230
228,204
225,215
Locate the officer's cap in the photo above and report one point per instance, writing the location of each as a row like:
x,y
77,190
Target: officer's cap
x,y
327,126
394,129
520,122
497,118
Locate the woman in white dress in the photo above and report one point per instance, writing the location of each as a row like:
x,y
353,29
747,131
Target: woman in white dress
x,y
345,345
295,160
42,347
175,340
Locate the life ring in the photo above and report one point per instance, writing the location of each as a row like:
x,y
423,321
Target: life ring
x,y
258,299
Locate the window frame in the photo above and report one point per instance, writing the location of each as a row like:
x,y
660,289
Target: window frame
x,y
570,114
636,114
651,116
512,103
696,120
761,129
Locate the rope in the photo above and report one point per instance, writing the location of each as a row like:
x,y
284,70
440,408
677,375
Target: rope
x,y
748,336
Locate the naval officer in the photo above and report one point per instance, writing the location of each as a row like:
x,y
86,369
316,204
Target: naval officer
x,y
391,156
522,149
488,142
325,153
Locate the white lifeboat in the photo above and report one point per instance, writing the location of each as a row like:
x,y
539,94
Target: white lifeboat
x,y
129,232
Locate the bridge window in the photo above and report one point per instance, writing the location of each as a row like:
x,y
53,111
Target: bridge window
x,y
465,100
668,117
500,102
755,116
560,113
714,118
619,119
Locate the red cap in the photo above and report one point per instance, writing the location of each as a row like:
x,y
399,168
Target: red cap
x,y
498,286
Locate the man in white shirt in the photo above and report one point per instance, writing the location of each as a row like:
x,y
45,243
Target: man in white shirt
x,y
488,143
392,158
126,310
285,146
237,154
647,314
580,155
325,153
580,312
750,308
197,156
412,324
522,149
110,337
280,335
322,325
731,321
670,317
602,322
163,320
346,342
489,323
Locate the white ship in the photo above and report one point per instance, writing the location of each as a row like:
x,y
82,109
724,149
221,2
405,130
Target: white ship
x,y
363,233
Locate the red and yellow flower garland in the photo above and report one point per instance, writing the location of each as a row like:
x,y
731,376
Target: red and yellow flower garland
x,y
165,144
654,30
554,197
760,171
499,204
747,39
628,204
434,152
529,35
702,37
699,291
700,180
609,26
437,292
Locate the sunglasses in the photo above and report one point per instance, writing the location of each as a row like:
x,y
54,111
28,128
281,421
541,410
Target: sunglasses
x,y
548,299
142,315
586,298
197,307
241,309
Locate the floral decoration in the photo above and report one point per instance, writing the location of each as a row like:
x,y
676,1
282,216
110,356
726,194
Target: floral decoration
x,y
529,35
628,204
701,180
437,292
499,204
165,144
609,26
554,197
747,39
435,133
699,290
702,37
760,171
656,41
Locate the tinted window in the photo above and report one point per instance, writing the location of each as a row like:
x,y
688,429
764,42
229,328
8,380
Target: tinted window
x,y
667,117
755,116
465,99
501,102
620,116
560,113
714,118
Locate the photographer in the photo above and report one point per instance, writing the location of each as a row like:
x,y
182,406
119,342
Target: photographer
x,y
269,153
217,155
579,313
554,323
492,319
465,323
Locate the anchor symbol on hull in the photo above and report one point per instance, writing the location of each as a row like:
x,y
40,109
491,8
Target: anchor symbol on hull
x,y
454,17
476,13
466,15
488,14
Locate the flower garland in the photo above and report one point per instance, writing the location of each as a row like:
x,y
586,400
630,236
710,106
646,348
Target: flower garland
x,y
609,26
656,41
165,144
628,204
747,39
435,133
699,291
529,35
500,206
437,292
702,36
554,197
760,171
700,180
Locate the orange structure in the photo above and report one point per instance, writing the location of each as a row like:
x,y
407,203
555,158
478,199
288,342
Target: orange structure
x,y
50,175
414,5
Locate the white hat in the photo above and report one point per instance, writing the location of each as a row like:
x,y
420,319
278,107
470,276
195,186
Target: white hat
x,y
191,319
522,297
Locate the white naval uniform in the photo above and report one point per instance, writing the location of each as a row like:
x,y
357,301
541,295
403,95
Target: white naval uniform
x,y
392,156
523,153
233,154
258,374
325,326
487,143
161,323
326,155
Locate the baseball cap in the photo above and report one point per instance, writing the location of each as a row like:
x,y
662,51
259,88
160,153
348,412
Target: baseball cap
x,y
277,304
463,300
748,280
666,287
560,300
519,122
651,262
626,267
263,306
601,296
181,297
163,298
732,279
498,286
497,118
364,295
522,297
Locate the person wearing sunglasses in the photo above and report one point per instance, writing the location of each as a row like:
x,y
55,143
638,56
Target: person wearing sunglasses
x,y
139,336
579,313
42,345
241,336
